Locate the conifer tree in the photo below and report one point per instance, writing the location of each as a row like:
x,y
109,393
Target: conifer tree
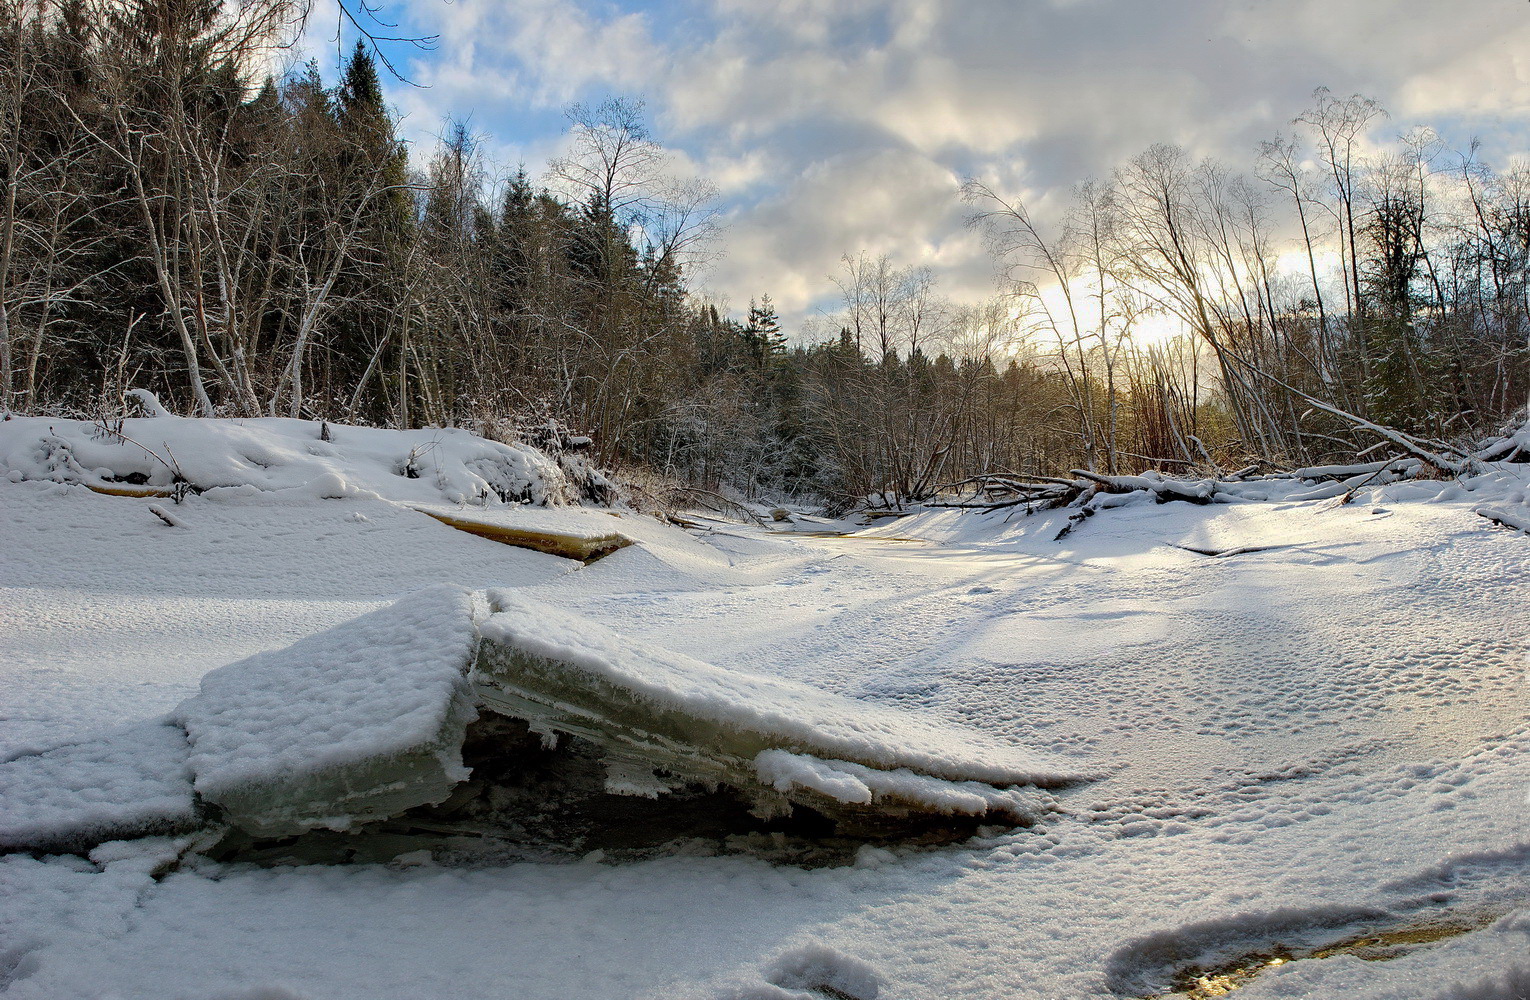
x,y
766,325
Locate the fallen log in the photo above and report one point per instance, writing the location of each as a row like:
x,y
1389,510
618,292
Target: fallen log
x,y
1162,490
1511,445
137,492
583,546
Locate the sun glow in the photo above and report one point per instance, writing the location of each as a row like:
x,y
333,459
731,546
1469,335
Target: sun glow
x,y
1045,318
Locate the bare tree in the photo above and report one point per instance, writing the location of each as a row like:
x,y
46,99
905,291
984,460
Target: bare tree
x,y
1340,126
612,160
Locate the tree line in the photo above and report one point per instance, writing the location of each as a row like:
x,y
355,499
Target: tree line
x,y
244,245
176,217
1337,282
1186,316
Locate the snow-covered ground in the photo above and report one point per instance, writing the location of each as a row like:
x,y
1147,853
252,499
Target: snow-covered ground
x,y
1321,735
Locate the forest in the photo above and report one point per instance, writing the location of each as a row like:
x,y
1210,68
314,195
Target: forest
x,y
186,212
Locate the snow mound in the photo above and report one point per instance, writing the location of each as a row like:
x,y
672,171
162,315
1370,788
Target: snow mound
x,y
822,970
660,713
302,458
130,783
360,722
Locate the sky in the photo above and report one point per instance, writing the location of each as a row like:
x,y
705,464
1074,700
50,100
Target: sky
x,y
840,126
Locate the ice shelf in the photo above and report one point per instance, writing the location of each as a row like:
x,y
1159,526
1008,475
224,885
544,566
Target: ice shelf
x,y
131,782
367,721
357,723
664,719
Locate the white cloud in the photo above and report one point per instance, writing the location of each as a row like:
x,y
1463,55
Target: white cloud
x,y
833,126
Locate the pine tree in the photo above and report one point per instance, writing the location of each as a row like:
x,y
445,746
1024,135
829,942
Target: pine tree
x,y
516,233
767,326
368,128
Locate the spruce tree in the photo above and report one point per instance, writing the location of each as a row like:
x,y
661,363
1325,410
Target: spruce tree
x,y
766,325
368,128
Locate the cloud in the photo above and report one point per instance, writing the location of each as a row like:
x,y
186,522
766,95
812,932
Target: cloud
x,y
896,202
834,126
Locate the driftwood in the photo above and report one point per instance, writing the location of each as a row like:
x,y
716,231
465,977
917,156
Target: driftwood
x,y
1441,455
1512,444
1090,491
115,490
583,546
1002,491
719,504
1087,491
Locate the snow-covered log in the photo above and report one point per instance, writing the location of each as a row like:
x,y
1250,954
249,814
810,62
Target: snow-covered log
x,y
525,530
1089,490
1512,445
1507,517
1317,472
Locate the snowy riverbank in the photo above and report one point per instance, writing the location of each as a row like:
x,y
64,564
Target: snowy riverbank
x,y
1320,736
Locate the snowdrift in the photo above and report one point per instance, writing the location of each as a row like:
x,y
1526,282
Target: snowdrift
x,y
368,721
157,456
486,488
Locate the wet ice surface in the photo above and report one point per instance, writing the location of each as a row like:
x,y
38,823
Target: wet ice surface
x,y
1300,741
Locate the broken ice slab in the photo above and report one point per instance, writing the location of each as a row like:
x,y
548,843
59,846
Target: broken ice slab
x,y
357,723
133,782
852,784
558,535
665,720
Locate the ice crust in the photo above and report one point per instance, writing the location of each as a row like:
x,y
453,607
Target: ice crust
x,y
367,720
356,723
585,664
128,783
759,734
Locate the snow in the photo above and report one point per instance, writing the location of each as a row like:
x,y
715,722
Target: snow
x,y
288,457
110,617
359,722
738,712
128,783
1512,511
1321,734
821,969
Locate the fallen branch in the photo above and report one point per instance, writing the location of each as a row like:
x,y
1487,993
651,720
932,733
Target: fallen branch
x,y
751,515
1506,518
1429,451
166,516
